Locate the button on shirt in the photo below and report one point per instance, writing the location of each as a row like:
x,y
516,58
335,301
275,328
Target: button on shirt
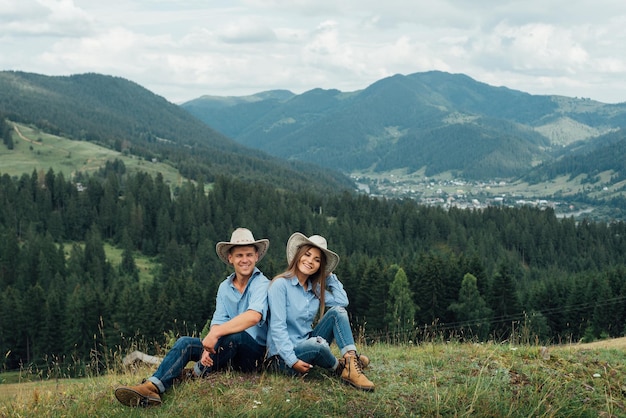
x,y
292,311
230,303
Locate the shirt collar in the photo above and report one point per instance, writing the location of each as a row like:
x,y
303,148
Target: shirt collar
x,y
295,282
255,273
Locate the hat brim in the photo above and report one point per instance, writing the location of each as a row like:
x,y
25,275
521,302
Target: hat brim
x,y
296,240
223,248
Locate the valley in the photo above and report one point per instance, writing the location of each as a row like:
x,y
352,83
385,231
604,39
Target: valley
x,y
447,191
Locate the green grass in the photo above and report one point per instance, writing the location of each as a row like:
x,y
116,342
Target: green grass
x,y
39,151
146,265
426,380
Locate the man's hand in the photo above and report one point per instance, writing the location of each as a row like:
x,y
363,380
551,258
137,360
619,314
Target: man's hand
x,y
209,343
210,340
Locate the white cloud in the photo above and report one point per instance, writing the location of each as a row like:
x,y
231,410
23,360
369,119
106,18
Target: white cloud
x,y
247,31
184,49
42,18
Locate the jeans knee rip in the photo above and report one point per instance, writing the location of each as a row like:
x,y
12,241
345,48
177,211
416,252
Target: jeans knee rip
x,y
321,340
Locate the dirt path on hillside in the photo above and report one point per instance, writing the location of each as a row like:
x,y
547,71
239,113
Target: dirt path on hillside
x,y
30,141
19,133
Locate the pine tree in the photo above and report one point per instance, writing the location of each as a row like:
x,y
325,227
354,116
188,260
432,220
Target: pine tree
x,y
471,310
400,315
371,286
12,332
9,258
504,302
127,265
82,321
33,312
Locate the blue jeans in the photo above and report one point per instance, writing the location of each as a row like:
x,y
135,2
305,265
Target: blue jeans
x,y
335,325
239,351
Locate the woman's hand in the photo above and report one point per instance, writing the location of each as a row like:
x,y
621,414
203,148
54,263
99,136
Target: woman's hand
x,y
302,367
206,359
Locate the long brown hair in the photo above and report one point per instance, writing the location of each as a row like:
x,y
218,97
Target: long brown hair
x,y
316,278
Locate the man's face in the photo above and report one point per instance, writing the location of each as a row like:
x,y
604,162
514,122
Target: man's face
x,y
243,259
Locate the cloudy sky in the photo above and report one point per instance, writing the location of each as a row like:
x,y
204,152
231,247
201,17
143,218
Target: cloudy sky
x,y
183,49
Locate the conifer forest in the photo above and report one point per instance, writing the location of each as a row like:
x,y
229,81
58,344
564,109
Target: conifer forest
x,y
411,271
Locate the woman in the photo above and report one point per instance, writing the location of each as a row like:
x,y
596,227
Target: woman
x,y
295,297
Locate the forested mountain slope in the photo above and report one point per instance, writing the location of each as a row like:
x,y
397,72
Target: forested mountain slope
x,y
588,159
122,115
432,120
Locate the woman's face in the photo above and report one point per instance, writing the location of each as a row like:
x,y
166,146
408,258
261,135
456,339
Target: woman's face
x,y
310,261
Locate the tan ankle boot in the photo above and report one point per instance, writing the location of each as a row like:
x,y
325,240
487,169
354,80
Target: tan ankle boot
x,y
340,366
145,395
352,374
364,360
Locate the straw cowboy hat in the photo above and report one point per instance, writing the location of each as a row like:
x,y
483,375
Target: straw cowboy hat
x,y
241,236
297,239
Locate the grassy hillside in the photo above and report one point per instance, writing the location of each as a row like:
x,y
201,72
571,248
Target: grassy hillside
x,y
432,379
121,115
40,151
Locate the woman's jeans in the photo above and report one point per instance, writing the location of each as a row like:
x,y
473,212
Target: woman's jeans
x,y
335,325
239,351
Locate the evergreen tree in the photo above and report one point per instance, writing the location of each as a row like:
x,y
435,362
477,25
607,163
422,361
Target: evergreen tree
x,y
5,133
33,313
55,226
130,316
54,317
578,310
604,309
372,287
504,302
12,330
9,258
471,310
434,279
107,209
174,260
128,266
400,315
204,273
95,263
82,332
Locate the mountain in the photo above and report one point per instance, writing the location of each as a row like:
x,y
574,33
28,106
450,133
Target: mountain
x,y
122,115
587,159
435,121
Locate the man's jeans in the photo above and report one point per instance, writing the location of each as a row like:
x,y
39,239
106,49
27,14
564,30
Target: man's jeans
x,y
335,325
239,351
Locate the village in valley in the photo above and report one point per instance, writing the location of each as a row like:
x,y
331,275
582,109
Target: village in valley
x,y
462,194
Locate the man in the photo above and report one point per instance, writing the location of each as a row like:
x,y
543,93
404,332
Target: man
x,y
238,332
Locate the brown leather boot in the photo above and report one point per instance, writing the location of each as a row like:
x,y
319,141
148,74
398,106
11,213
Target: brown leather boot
x,y
340,366
364,360
144,395
352,374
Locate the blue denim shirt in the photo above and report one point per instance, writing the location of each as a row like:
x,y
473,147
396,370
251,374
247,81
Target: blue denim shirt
x,y
292,311
231,303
